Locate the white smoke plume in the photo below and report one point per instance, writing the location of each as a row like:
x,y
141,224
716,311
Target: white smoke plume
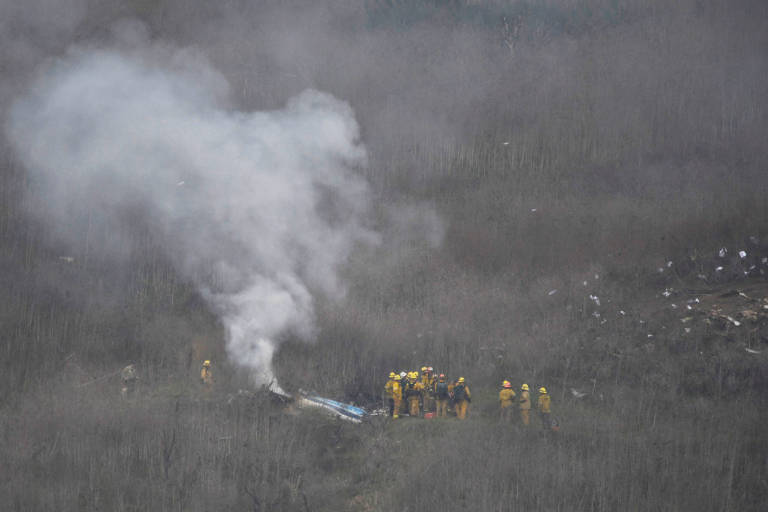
x,y
259,209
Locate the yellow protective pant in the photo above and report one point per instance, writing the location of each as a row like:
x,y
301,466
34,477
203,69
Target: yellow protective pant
x,y
462,407
506,413
396,410
413,405
442,408
429,403
525,414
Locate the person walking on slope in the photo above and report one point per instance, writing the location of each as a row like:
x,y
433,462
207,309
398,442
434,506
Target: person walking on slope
x,y
413,394
397,396
506,398
461,398
442,394
525,405
388,400
544,406
206,376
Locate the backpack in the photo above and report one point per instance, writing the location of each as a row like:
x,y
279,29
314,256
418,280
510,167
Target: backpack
x,y
458,392
442,390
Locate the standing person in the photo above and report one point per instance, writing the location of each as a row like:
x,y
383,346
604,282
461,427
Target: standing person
x,y
428,389
397,396
128,378
206,375
442,394
506,397
413,394
388,400
461,398
544,406
525,405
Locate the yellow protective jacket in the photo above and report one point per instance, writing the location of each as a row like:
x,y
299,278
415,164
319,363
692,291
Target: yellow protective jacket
x,y
388,388
397,390
543,404
428,385
525,400
206,376
506,396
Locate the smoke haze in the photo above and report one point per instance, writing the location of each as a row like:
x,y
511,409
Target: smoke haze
x,y
259,209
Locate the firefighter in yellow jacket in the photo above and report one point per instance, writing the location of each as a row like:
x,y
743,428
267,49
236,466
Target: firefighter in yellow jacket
x,y
413,394
525,405
442,394
544,406
388,400
206,376
461,398
506,398
397,396
427,389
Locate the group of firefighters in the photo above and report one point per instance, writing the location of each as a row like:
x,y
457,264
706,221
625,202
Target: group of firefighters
x,y
428,396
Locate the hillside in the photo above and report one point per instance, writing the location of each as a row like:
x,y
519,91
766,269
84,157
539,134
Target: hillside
x,y
311,195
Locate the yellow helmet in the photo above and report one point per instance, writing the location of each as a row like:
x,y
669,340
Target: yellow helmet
x,y
525,387
391,375
206,363
506,384
461,379
543,391
423,369
397,377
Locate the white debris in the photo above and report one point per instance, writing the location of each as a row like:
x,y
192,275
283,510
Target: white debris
x,y
179,184
650,335
552,292
597,276
68,259
702,276
669,264
696,300
742,254
754,240
718,269
661,270
723,252
505,143
533,209
621,312
687,329
595,299
578,394
666,292
764,260
688,307
752,351
674,306
733,321
584,283
604,320
596,314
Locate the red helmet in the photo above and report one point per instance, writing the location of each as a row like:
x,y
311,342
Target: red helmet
x,y
442,375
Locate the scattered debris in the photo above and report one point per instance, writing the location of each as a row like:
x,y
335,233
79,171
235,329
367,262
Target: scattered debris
x,y
687,329
674,306
621,312
723,252
669,264
552,292
666,292
179,184
752,351
718,269
68,259
533,209
742,254
595,299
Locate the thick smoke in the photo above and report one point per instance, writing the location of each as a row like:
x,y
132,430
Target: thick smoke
x,y
259,209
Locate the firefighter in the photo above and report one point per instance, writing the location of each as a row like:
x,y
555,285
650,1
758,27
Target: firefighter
x,y
128,379
525,405
461,398
206,376
397,396
506,397
388,400
442,394
428,389
544,406
413,393
403,401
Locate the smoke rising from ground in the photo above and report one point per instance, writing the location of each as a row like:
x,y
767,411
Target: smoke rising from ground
x,y
259,209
